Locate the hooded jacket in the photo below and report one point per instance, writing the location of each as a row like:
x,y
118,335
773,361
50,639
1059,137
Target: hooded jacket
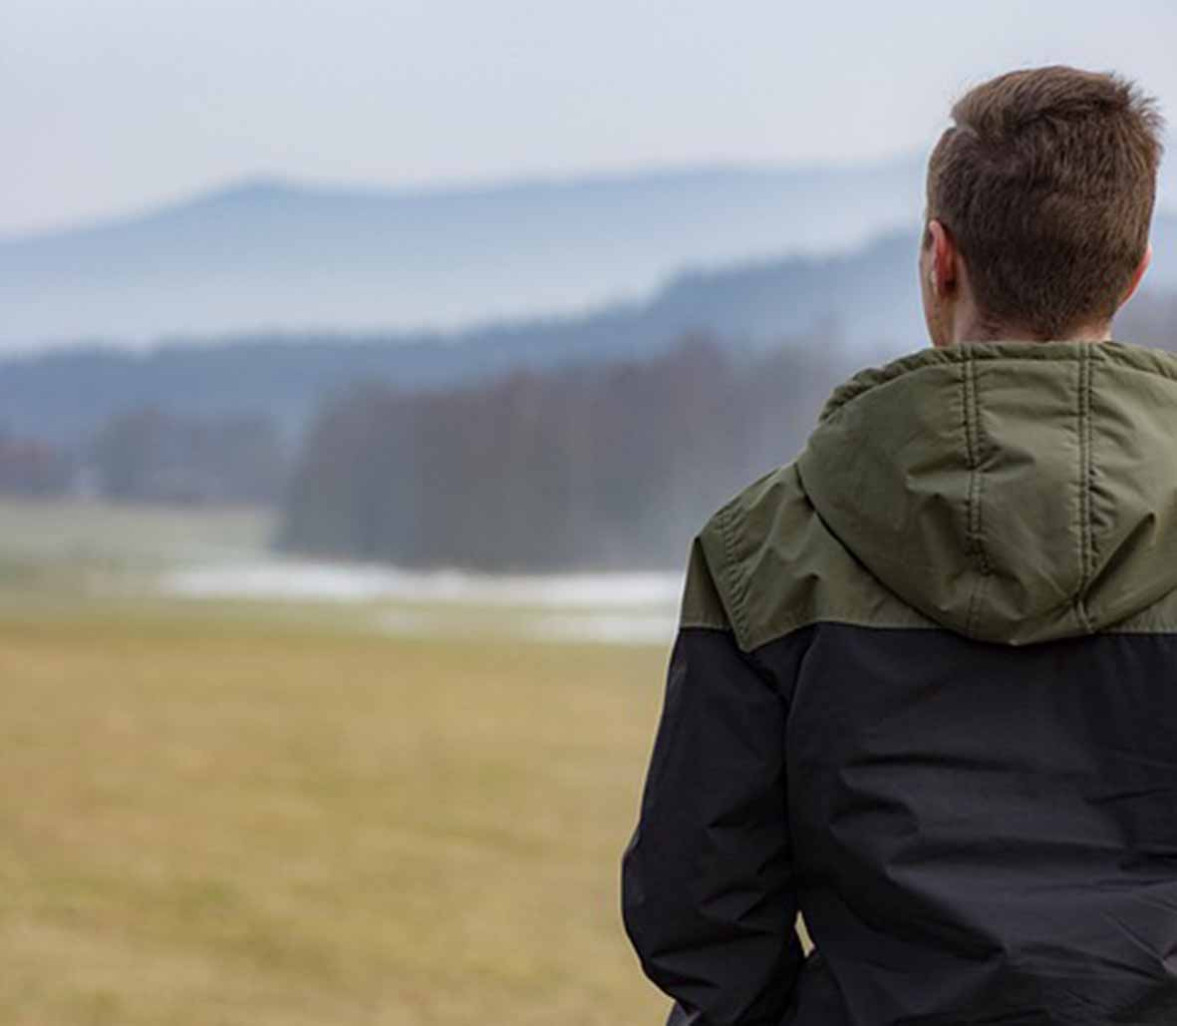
x,y
924,691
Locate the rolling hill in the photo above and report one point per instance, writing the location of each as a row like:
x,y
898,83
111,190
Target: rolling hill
x,y
271,256
863,303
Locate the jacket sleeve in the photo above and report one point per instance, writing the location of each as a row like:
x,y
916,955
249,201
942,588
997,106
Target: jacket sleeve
x,y
707,883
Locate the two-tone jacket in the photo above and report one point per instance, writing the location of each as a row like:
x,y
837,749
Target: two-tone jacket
x,y
924,692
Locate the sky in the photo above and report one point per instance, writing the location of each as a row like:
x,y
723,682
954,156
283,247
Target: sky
x,y
112,106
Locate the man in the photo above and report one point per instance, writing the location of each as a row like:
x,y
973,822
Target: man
x,y
924,689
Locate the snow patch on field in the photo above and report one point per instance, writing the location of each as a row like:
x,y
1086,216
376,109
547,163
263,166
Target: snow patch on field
x,y
338,582
618,608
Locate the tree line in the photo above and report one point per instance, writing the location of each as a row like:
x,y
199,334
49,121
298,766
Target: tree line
x,y
148,455
601,466
603,463
610,465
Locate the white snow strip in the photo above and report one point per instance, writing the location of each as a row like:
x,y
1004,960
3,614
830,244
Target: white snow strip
x,y
335,582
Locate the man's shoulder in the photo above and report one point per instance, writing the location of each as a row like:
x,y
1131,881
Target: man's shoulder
x,y
776,568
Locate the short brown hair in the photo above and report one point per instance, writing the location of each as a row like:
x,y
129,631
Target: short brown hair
x,y
1046,181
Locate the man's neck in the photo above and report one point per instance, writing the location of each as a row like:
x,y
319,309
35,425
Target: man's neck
x,y
977,330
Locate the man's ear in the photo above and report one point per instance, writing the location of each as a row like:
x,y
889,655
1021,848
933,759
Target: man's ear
x,y
1138,274
944,270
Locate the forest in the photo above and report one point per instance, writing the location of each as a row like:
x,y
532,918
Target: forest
x,y
592,459
613,465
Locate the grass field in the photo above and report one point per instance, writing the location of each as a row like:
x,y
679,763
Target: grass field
x,y
252,814
224,823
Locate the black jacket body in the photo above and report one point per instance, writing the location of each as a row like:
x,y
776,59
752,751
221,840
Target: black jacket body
x,y
924,693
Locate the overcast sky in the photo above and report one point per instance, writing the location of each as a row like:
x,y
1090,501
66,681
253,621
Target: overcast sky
x,y
112,105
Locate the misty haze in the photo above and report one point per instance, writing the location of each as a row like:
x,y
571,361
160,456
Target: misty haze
x,y
365,373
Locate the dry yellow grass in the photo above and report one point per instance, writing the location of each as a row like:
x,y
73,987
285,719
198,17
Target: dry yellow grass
x,y
207,823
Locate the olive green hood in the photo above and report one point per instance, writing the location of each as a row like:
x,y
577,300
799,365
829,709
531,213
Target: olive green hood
x,y
1014,492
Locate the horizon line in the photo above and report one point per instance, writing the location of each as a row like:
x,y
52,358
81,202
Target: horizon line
x,y
440,188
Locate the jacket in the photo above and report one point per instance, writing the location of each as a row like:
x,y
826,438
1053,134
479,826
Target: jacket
x,y
924,692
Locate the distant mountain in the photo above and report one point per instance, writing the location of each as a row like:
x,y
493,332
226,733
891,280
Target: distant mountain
x,y
270,256
864,303
868,296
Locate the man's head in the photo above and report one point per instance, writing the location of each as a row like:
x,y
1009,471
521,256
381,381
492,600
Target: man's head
x,y
1039,201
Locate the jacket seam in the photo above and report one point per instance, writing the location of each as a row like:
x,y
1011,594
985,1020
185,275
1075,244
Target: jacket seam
x,y
707,628
1085,526
793,625
705,624
973,522
736,586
